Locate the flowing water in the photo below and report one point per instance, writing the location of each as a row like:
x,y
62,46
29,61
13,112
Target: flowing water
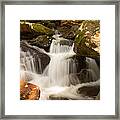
x,y
27,62
55,78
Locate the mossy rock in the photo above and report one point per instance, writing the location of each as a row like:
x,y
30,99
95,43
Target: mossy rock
x,y
42,29
83,50
42,40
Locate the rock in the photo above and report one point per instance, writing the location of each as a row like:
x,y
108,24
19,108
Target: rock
x,y
69,28
37,54
25,28
47,23
83,50
87,40
29,91
80,62
26,33
87,75
55,97
84,76
42,29
42,41
90,90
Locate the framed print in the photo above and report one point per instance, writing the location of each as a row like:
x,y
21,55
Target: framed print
x,y
60,59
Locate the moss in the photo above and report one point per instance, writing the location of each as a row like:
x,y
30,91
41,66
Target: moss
x,y
42,29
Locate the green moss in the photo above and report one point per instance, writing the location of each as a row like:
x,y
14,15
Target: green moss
x,y
42,29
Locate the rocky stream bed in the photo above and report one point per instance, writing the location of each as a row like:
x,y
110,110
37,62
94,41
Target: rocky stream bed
x,y
60,59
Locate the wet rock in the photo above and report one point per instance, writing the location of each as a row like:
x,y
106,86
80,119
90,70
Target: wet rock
x,y
42,41
84,76
55,97
80,62
73,79
89,90
29,91
87,75
36,53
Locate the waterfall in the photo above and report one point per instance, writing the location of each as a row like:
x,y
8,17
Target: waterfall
x,y
60,75
59,66
28,62
93,68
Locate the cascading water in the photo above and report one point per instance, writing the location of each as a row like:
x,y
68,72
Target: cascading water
x,y
93,68
28,62
55,78
58,67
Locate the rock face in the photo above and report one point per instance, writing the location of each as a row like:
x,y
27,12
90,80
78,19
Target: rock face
x,y
29,91
36,53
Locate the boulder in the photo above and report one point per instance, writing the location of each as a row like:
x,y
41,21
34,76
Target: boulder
x,y
29,91
83,50
89,89
42,29
42,41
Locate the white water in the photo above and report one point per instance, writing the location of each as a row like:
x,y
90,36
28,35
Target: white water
x,y
59,65
93,68
28,62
